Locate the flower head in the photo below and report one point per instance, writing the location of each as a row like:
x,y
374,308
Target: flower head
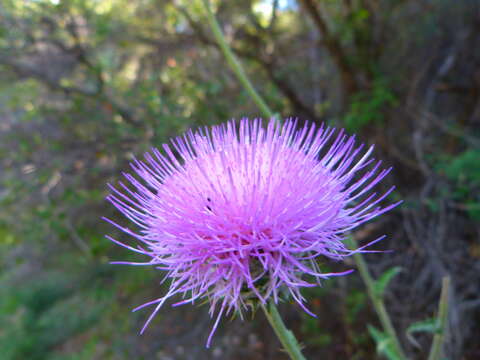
x,y
240,213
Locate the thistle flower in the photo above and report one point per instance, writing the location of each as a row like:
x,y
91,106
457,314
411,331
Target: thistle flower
x,y
241,215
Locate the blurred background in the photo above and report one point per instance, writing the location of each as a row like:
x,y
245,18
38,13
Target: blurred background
x,y
87,84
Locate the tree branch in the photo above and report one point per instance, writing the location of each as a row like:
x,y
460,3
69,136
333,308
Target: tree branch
x,y
336,51
23,71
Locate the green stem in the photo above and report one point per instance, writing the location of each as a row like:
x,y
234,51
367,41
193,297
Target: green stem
x,y
377,300
234,63
436,349
285,336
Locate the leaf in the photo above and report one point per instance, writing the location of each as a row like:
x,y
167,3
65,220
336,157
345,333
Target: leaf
x,y
384,343
382,282
430,325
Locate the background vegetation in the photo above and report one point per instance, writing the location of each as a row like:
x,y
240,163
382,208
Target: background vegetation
x,y
87,84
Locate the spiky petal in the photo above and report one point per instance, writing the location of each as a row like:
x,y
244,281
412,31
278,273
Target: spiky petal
x,y
233,212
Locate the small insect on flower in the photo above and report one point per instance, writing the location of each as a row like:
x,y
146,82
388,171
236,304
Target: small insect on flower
x,y
240,213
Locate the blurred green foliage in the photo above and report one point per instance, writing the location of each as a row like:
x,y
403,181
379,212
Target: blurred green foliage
x,y
368,107
463,171
87,85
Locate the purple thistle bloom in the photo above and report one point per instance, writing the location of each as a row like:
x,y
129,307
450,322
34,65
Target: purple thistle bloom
x,y
234,215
